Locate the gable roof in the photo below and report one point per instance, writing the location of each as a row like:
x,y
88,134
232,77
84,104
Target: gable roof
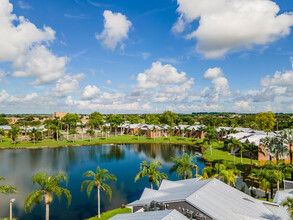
x,y
155,215
213,197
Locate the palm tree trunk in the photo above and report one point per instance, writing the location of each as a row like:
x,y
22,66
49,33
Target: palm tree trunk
x,y
99,214
47,211
211,150
90,138
251,162
267,195
278,185
67,132
151,185
184,175
82,134
234,158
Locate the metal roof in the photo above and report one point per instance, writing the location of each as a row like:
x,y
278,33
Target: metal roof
x,y
215,198
283,194
5,127
154,215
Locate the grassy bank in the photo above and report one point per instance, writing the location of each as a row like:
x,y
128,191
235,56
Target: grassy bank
x,y
110,214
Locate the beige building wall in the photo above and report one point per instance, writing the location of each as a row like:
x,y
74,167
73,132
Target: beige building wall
x,y
59,114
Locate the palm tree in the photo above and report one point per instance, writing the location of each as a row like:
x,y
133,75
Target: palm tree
x,y
2,134
154,129
228,176
268,146
183,166
170,131
222,133
73,132
151,171
7,189
50,185
207,173
234,143
186,132
287,137
91,132
138,133
99,182
210,136
280,151
106,129
13,133
82,126
33,132
262,174
252,150
288,202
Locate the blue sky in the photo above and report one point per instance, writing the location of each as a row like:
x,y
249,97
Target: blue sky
x,y
129,56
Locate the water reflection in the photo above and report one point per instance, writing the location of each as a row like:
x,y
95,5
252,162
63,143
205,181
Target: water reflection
x,y
17,166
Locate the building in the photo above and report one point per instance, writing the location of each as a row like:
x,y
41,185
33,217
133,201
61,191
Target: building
x,y
158,215
59,115
210,199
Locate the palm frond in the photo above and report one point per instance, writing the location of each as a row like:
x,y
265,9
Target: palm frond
x,y
33,198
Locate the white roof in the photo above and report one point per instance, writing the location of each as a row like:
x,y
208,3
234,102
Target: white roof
x,y
214,198
153,215
283,194
5,127
239,135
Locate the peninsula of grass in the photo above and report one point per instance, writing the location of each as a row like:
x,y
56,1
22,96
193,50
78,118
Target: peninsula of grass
x,y
112,213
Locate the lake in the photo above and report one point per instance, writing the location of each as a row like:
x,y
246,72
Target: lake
x,y
123,160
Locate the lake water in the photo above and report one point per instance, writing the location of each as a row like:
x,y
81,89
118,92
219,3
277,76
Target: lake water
x,y
18,166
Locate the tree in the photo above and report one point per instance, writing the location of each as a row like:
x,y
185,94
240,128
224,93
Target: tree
x,y
13,133
170,132
3,121
33,133
133,119
96,120
2,134
152,119
207,173
138,133
70,121
91,132
232,145
106,129
280,151
210,136
74,133
82,126
50,186
114,121
183,166
168,118
186,132
7,189
252,150
287,137
265,120
154,129
265,180
228,176
151,171
98,182
288,202
268,146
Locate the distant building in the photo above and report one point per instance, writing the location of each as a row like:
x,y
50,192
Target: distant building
x,y
59,114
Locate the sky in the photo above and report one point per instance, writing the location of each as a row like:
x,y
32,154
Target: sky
x,y
142,56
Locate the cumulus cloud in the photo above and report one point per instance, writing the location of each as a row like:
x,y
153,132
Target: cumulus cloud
x,y
67,84
26,98
220,86
242,106
116,28
161,83
90,92
41,64
3,96
237,24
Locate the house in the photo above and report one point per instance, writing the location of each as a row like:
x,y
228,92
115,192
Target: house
x,y
210,199
157,215
6,128
59,115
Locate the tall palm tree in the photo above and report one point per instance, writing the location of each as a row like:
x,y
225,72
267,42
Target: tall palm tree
x,y
2,134
234,143
268,146
252,150
7,189
151,171
82,126
33,132
210,136
13,133
288,202
186,132
281,151
50,185
98,182
183,166
106,129
138,133
207,173
170,131
154,129
91,132
228,176
287,137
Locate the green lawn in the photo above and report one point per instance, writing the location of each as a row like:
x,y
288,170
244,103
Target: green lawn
x,y
110,214
219,154
118,139
264,199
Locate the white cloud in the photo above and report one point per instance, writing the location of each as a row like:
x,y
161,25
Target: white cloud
x,y
26,98
3,96
41,64
220,86
226,25
67,84
242,106
159,75
109,82
21,43
24,5
116,28
279,79
195,108
90,92
212,73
